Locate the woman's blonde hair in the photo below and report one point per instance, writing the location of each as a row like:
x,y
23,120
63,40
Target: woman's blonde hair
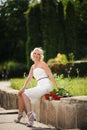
x,y
41,53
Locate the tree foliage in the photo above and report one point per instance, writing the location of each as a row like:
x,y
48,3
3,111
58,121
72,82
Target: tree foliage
x,y
34,35
56,26
71,30
13,29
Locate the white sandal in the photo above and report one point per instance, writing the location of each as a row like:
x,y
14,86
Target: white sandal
x,y
20,115
31,117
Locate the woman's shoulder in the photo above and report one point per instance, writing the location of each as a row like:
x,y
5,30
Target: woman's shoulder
x,y
32,67
44,64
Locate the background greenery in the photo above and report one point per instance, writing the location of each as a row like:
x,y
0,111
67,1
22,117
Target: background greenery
x,y
57,26
61,27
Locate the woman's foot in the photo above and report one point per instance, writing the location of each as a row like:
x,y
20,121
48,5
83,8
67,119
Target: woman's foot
x,y
20,115
31,116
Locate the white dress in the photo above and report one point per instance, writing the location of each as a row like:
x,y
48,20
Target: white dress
x,y
43,85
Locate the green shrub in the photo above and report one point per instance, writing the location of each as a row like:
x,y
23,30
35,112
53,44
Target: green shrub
x,y
14,69
68,66
79,69
59,59
75,69
2,65
61,68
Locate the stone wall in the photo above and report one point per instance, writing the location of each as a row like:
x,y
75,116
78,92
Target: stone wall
x,y
8,100
67,113
8,96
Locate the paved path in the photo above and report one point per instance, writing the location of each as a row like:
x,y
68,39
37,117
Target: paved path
x,y
5,85
7,122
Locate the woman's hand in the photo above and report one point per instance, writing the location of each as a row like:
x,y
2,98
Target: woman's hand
x,y
21,91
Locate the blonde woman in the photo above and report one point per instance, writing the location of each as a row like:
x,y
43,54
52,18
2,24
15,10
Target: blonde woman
x,y
43,75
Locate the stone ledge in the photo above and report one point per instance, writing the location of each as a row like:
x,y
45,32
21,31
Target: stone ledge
x,y
13,111
75,100
70,129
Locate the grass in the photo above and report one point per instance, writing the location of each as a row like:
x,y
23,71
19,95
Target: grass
x,y
75,86
17,83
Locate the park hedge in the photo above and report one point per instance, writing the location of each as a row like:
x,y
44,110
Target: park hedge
x,y
13,69
75,69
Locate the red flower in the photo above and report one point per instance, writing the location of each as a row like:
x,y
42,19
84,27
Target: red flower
x,y
47,96
57,97
53,95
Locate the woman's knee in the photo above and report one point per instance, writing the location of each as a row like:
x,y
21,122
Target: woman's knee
x,y
24,95
20,95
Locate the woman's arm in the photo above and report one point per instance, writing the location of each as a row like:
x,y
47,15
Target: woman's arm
x,y
27,80
49,73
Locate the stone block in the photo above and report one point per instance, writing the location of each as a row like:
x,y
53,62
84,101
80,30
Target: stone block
x,y
82,116
36,109
78,107
8,98
66,116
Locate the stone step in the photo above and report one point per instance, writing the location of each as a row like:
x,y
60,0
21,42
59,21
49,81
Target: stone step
x,y
74,129
13,111
71,129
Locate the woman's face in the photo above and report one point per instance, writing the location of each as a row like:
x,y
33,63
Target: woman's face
x,y
37,55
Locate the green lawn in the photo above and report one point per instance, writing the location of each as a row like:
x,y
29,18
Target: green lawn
x,y
17,83
75,86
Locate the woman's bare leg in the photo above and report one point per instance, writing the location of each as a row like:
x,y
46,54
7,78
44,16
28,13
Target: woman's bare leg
x,y
21,107
30,114
27,103
21,104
